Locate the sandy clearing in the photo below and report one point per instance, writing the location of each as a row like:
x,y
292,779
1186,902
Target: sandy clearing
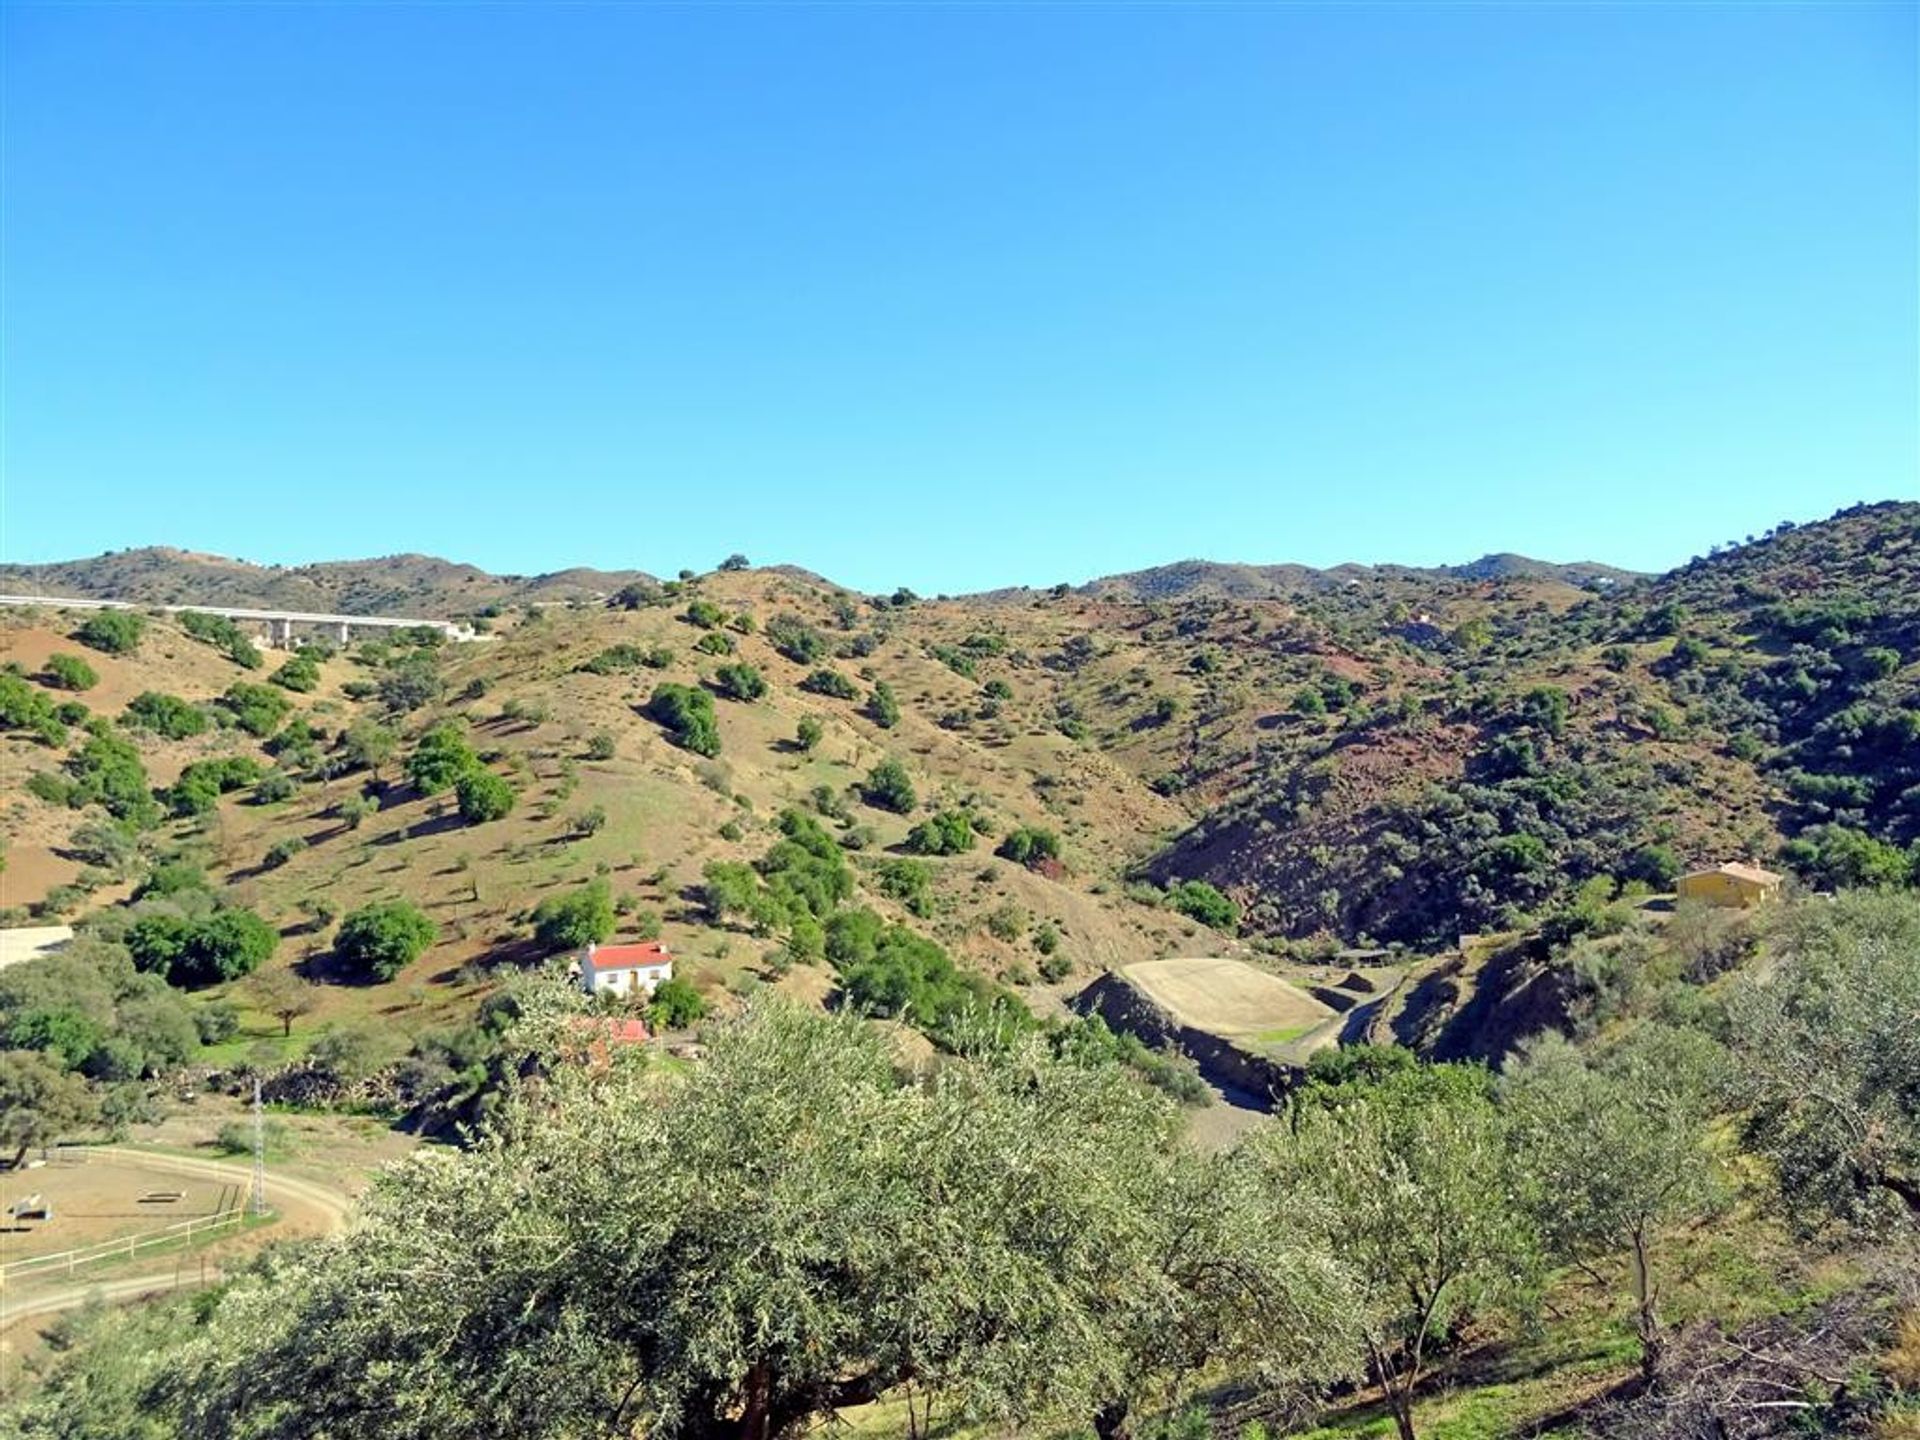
x,y
1226,997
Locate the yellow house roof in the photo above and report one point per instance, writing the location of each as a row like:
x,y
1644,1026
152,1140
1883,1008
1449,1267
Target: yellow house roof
x,y
1735,870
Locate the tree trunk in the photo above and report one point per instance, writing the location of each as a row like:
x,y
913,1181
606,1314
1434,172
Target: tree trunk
x,y
1647,1320
1402,1406
1110,1420
756,1420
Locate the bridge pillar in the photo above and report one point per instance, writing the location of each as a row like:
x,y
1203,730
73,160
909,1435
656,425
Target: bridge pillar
x,y
280,632
344,629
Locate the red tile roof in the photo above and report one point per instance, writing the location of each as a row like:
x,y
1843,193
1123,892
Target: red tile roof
x,y
627,957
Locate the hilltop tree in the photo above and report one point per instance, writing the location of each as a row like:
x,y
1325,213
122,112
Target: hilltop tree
x,y
734,562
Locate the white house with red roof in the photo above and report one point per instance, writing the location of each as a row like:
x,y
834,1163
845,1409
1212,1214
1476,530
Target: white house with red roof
x,y
625,969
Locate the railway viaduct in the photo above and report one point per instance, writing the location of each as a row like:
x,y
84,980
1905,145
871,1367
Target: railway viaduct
x,y
279,623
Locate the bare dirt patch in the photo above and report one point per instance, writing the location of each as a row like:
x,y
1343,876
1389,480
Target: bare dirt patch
x,y
1226,997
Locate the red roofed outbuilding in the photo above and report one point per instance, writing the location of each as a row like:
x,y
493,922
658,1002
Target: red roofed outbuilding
x,y
625,969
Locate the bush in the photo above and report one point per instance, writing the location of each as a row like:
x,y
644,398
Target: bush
x,y
830,683
888,787
377,942
600,745
112,632
796,640
1198,900
740,682
808,733
221,633
70,672
107,771
354,810
882,708
687,713
1029,845
274,786
281,851
948,833
191,953
440,759
714,643
299,673
256,709
22,707
483,796
578,918
676,1004
410,685
166,715
705,614
203,782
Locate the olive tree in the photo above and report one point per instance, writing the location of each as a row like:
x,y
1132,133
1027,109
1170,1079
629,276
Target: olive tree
x,y
1408,1182
1827,1052
1618,1143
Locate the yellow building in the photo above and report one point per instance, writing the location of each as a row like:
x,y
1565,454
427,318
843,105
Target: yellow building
x,y
1735,886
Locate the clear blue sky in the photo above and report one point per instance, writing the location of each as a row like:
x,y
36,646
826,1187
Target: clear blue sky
x,y
954,296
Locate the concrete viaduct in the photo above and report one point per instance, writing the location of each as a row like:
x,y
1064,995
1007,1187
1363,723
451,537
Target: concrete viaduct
x,y
279,623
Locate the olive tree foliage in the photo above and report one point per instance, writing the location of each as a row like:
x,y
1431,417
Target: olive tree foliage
x,y
1618,1145
1827,1051
1409,1182
741,1251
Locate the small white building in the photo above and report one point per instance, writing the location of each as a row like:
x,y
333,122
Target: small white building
x,y
625,969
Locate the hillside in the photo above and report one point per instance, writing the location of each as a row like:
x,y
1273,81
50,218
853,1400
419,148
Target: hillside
x,y
1402,756
411,585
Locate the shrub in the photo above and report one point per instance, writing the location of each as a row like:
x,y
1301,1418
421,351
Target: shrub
x,y
256,709
675,1005
107,771
353,811
194,952
1200,901
440,759
221,633
203,782
274,786
299,672
70,672
948,833
281,851
740,682
889,787
882,708
714,643
1029,845
22,707
377,942
413,683
579,917
830,683
483,796
687,713
705,614
796,640
166,715
112,632
600,745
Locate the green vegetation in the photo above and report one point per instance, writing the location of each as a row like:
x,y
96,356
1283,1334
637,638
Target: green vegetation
x,y
830,683
377,942
202,783
193,952
166,715
70,672
112,632
22,707
950,832
223,635
686,712
441,759
574,919
889,787
300,672
740,682
882,708
1029,845
1200,901
256,709
484,796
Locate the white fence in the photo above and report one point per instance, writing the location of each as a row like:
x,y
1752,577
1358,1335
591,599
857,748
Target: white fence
x,y
181,1232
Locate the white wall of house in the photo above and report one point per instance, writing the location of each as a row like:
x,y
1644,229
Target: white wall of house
x,y
627,980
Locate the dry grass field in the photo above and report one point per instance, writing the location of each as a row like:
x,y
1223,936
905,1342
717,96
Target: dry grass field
x,y
1228,998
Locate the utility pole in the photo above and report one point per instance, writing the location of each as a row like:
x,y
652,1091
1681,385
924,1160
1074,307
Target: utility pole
x,y
259,1154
